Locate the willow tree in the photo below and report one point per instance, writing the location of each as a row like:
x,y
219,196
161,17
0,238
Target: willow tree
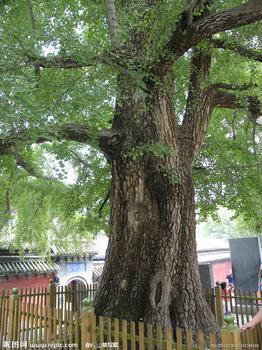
x,y
138,81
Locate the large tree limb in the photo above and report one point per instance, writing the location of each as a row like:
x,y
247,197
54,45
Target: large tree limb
x,y
70,132
110,58
229,100
117,59
189,33
244,14
39,62
239,49
196,101
200,64
210,98
108,139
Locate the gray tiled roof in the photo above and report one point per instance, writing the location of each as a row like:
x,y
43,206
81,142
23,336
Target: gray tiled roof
x,y
97,270
26,266
72,249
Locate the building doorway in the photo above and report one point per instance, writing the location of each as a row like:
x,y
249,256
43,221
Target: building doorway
x,y
77,291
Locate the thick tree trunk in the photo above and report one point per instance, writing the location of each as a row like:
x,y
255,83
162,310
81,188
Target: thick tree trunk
x,y
151,269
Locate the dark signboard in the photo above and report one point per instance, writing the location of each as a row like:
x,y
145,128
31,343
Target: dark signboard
x,y
246,259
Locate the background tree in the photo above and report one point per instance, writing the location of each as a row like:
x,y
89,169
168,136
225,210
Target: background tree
x,y
224,225
138,82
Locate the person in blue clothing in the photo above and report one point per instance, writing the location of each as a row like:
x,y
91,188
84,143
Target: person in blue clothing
x,y
230,280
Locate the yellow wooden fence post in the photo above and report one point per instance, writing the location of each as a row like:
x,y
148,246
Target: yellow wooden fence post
x,y
231,339
219,306
88,325
51,297
83,328
51,304
86,329
12,325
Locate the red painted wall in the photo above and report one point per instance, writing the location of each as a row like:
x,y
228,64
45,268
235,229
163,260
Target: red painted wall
x,y
221,269
25,282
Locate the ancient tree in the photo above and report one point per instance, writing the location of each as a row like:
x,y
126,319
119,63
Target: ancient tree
x,y
151,269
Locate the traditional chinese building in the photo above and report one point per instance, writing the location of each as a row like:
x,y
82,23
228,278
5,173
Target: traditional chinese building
x,y
29,271
214,260
75,263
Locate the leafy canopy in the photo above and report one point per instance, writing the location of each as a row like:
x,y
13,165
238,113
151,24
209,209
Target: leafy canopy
x,y
38,199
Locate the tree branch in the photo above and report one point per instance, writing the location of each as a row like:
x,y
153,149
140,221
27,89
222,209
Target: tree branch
x,y
197,104
235,167
70,132
239,49
80,160
33,22
116,59
232,86
7,202
31,171
244,14
105,200
232,101
112,22
109,140
198,116
30,7
200,64
7,196
61,62
187,35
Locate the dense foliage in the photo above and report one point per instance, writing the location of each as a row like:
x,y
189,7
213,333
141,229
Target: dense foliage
x,y
57,188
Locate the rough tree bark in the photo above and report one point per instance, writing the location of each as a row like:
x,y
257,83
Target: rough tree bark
x,y
151,269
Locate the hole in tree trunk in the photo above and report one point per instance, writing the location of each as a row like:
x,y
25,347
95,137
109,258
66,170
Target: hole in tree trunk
x,y
158,292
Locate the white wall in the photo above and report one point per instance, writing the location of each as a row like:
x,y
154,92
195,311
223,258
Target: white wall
x,y
65,277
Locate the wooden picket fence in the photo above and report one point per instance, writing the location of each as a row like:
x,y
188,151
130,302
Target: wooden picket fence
x,y
31,326
24,323
104,331
37,312
55,316
243,304
99,331
59,294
